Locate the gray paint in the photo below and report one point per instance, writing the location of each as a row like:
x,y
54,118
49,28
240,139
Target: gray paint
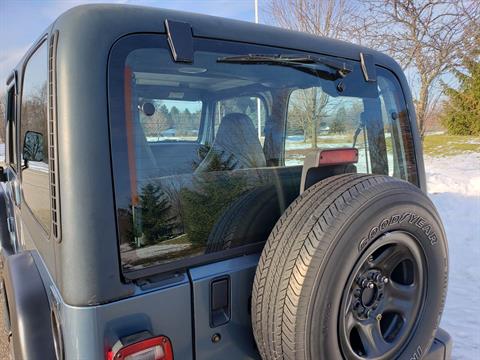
x,y
237,340
86,34
88,332
83,270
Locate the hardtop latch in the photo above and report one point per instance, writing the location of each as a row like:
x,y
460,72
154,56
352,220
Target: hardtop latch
x,y
368,67
180,40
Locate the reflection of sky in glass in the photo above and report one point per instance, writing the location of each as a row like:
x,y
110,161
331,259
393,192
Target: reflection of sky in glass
x,y
36,72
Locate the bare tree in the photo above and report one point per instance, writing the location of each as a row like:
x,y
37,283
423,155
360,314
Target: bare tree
x,y
307,109
427,37
330,18
3,114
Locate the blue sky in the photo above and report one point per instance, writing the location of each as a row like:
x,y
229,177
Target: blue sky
x,y
22,21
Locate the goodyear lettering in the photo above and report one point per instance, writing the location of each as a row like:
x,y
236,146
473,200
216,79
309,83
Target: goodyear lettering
x,y
417,355
406,217
395,219
384,224
413,218
373,232
427,228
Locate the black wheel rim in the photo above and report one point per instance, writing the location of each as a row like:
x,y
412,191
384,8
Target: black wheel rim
x,y
383,298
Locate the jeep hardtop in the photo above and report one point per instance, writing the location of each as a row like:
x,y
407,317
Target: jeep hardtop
x,y
181,186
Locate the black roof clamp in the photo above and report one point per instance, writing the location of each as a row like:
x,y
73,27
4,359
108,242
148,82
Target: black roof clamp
x,y
368,67
180,39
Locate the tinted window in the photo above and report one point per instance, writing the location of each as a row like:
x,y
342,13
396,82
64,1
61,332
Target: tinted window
x,y
171,120
178,198
378,127
398,135
33,137
316,119
11,128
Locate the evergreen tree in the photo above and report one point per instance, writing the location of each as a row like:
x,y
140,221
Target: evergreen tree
x,y
157,222
462,109
205,202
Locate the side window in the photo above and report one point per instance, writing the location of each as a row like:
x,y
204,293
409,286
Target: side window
x,y
398,136
11,156
377,126
33,137
170,120
318,120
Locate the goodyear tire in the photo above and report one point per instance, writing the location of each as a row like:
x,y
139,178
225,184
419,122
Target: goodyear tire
x,y
356,268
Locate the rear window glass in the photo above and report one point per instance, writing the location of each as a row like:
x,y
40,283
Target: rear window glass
x,y
170,120
207,156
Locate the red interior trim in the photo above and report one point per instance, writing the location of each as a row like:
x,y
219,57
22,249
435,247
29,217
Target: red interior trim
x,y
130,134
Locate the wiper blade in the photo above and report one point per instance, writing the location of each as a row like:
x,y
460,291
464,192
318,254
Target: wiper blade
x,y
299,62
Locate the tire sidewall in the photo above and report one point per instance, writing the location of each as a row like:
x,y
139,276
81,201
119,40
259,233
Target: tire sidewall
x,y
389,211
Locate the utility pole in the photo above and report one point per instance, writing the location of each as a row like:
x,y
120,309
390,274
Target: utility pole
x,y
259,117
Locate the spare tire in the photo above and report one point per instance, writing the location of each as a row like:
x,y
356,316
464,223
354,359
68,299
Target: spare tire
x,y
356,268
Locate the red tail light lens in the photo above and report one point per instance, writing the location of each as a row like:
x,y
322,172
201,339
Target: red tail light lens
x,y
156,348
337,156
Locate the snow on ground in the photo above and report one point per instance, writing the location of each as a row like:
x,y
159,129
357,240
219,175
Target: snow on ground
x,y
454,187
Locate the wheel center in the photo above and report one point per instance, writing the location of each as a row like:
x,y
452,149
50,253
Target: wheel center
x,y
368,293
369,296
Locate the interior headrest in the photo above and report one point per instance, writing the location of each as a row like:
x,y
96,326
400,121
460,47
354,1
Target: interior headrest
x,y
237,142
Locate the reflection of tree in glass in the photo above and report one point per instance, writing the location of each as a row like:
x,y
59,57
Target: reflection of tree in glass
x,y
218,160
34,112
306,109
33,147
213,191
156,218
203,206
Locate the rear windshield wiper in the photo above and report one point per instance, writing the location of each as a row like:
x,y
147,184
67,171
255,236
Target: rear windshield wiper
x,y
300,62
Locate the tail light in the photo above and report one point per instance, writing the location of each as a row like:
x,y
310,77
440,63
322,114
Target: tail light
x,y
139,347
337,156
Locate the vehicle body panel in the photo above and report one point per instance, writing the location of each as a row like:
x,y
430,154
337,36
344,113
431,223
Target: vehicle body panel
x,y
81,270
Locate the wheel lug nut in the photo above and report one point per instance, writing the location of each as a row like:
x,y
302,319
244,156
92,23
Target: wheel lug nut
x,y
385,279
370,285
379,317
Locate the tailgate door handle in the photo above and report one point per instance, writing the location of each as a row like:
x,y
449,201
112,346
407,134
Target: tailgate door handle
x,y
219,301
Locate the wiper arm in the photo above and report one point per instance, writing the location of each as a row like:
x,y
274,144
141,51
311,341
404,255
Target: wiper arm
x,y
299,62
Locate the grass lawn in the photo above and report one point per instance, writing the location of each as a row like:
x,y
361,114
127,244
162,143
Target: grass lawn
x,y
448,145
